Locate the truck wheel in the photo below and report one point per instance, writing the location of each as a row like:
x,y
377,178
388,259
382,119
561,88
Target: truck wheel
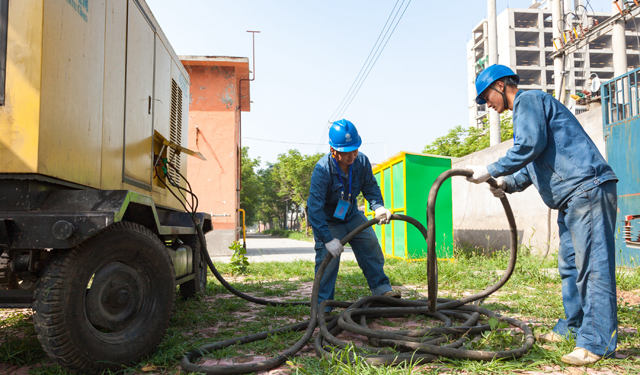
x,y
197,286
107,302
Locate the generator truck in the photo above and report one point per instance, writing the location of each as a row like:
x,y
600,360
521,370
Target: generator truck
x,y
97,222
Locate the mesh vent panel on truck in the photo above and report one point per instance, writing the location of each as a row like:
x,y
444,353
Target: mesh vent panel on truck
x,y
175,132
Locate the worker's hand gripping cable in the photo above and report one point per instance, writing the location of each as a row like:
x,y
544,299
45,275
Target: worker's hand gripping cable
x,y
334,247
498,192
383,215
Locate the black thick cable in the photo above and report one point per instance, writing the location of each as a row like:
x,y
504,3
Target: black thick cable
x,y
194,198
389,348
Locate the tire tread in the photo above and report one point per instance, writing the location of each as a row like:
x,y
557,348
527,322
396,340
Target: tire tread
x,y
49,315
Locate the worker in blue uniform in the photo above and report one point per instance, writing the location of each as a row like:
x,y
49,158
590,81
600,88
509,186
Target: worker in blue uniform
x,y
337,179
552,151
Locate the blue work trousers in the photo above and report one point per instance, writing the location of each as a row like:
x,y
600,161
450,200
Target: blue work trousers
x,y
586,262
368,253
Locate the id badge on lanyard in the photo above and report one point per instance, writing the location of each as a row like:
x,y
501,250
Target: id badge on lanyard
x,y
343,206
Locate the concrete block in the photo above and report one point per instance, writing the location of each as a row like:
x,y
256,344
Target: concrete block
x,y
219,240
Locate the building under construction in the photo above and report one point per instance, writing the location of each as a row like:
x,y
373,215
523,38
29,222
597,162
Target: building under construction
x,y
525,42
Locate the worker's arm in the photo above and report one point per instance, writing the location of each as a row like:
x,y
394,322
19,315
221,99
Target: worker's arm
x,y
370,188
320,181
530,124
518,181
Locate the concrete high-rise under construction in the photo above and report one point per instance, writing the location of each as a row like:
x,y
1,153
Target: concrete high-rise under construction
x,y
525,42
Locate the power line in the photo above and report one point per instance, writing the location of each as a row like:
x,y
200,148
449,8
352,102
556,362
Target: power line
x,y
366,67
374,54
376,59
365,63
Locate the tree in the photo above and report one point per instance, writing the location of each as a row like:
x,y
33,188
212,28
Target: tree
x,y
268,194
271,206
250,193
460,142
293,173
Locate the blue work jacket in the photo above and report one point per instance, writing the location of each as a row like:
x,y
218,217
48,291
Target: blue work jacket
x,y
551,150
326,188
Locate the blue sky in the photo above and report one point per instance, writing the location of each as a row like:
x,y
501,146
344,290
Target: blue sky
x,y
309,53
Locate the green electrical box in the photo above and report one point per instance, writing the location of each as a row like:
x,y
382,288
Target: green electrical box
x,y
405,180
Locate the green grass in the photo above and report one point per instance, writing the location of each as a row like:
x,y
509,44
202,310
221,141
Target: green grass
x,y
292,234
532,295
19,345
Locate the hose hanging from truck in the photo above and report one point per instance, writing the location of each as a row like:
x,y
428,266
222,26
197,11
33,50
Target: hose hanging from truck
x,y
416,346
203,243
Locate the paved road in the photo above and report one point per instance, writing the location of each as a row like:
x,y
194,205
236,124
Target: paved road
x,y
264,248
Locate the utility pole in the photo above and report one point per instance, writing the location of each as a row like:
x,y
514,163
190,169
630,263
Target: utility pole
x,y
558,61
494,117
579,4
618,42
567,6
619,46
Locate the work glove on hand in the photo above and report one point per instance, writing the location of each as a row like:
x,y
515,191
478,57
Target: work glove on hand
x,y
498,192
334,247
480,174
383,214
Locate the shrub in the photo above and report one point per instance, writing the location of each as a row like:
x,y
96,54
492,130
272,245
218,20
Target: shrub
x,y
239,261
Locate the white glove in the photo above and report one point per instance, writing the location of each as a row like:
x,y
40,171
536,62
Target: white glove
x,y
383,214
480,174
498,192
334,247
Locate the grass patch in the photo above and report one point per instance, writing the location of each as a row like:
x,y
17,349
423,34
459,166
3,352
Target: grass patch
x,y
532,295
19,344
292,234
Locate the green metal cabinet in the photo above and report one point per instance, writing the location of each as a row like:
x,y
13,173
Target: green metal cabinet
x,y
405,180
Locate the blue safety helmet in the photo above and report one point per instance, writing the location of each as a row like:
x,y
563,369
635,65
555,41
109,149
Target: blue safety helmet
x,y
489,76
343,136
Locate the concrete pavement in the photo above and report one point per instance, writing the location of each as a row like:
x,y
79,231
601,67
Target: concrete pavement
x,y
265,248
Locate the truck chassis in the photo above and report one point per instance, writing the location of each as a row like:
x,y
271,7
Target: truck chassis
x,y
98,267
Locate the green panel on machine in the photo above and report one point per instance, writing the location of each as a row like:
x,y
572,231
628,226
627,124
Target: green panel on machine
x,y
387,245
399,231
398,186
377,229
411,177
386,192
370,215
386,195
423,171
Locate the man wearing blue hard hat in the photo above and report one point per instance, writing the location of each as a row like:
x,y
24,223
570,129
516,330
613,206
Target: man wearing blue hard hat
x,y
337,179
552,151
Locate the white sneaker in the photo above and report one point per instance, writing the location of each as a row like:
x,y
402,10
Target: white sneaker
x,y
580,357
549,337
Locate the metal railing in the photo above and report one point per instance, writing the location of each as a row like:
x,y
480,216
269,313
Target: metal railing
x,y
620,99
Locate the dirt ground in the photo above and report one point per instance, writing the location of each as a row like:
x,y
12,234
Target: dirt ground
x,y
632,297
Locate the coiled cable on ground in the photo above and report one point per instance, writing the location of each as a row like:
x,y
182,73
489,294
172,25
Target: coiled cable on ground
x,y
388,347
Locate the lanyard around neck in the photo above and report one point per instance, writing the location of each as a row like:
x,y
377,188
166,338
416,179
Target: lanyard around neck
x,y
340,176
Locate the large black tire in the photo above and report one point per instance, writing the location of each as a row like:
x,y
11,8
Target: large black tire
x,y
107,302
198,286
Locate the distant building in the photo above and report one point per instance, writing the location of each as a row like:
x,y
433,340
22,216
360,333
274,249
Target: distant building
x,y
217,97
525,41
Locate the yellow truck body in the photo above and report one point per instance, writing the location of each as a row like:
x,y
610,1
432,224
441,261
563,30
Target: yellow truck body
x,y
94,235
88,84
